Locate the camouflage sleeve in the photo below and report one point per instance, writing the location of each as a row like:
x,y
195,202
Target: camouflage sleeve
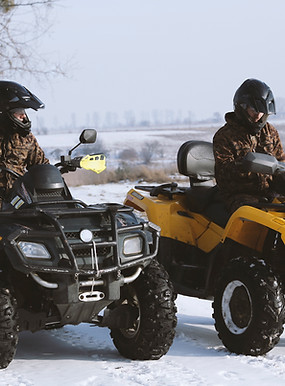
x,y
277,145
36,154
229,173
226,157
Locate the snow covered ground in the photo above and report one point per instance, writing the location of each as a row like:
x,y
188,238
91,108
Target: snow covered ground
x,y
85,356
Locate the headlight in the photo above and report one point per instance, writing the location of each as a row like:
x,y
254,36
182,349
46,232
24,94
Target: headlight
x,y
86,235
132,246
33,250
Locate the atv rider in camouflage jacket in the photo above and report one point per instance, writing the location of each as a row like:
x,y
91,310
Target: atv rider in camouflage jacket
x,y
19,149
246,130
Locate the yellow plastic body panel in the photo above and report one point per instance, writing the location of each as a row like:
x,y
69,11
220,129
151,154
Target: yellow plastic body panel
x,y
247,226
175,221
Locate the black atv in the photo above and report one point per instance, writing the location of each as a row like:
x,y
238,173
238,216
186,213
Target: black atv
x,y
63,262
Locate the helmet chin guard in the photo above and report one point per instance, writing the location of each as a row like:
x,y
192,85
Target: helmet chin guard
x,y
244,118
22,127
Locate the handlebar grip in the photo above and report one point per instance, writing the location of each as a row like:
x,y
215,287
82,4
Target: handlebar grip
x,y
76,162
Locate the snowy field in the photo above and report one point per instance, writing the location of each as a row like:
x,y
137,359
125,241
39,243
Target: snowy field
x,y
115,141
124,138
85,356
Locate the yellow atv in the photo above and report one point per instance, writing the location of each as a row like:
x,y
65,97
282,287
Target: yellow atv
x,y
237,261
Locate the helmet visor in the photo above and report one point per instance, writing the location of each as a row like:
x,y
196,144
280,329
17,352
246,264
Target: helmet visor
x,y
13,95
26,100
264,106
18,110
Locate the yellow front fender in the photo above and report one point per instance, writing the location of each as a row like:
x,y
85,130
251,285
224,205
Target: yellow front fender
x,y
249,226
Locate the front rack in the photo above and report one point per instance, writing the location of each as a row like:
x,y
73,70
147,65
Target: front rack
x,y
52,216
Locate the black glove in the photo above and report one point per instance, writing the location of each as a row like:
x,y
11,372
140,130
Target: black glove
x,y
278,183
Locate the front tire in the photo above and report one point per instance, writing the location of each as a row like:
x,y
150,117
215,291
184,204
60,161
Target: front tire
x,y
249,307
9,327
153,329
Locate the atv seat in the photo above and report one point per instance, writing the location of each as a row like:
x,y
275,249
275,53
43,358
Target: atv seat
x,y
207,200
195,159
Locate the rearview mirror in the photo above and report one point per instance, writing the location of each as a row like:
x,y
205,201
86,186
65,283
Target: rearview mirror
x,y
88,136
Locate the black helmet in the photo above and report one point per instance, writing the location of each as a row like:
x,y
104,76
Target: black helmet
x,y
256,94
13,96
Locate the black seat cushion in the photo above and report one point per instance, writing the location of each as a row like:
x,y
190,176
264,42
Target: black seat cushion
x,y
208,201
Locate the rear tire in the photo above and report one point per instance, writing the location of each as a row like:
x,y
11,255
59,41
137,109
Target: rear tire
x,y
249,307
9,327
153,330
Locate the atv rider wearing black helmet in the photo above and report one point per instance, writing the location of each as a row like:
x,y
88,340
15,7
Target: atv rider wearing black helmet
x,y
246,130
19,149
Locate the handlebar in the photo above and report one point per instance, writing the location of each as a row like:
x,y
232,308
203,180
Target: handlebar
x,y
94,162
168,190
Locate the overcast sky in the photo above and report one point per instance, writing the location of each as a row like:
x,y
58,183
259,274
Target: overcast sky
x,y
146,55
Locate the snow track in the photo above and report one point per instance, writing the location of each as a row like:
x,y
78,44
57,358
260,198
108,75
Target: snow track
x,y
85,356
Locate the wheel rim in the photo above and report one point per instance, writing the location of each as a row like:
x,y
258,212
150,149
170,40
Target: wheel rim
x,y
132,331
236,307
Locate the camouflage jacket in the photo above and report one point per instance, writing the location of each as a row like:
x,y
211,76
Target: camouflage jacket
x,y
19,154
231,143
